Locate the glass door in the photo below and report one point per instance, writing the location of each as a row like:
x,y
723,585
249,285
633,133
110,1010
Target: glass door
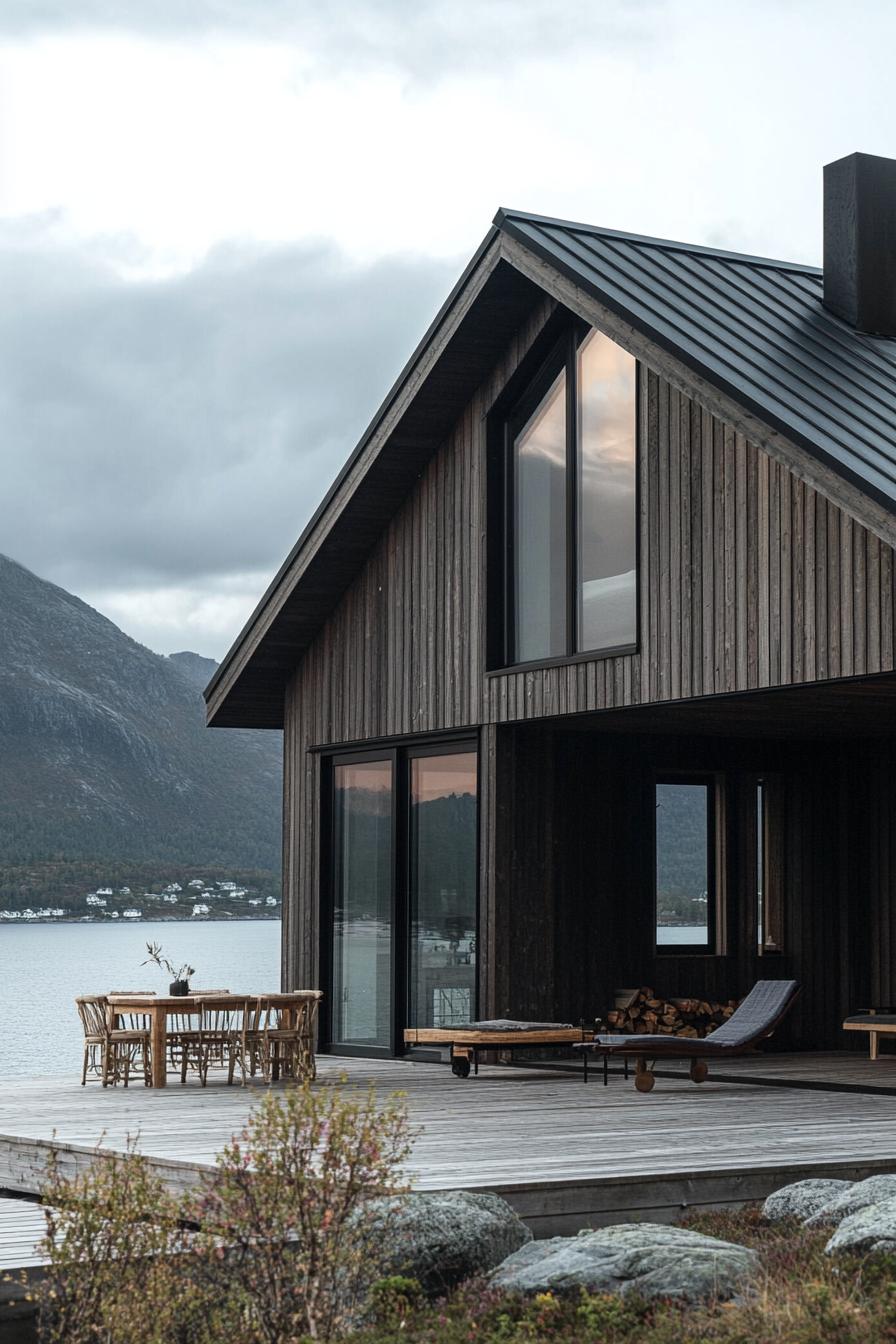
x,y
363,885
442,888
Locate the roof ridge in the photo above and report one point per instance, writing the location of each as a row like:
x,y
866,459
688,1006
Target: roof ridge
x,y
506,215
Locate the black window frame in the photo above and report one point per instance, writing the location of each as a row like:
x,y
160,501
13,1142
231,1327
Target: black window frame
x,y
714,864
399,753
555,354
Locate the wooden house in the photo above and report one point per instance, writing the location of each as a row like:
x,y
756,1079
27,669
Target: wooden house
x,y
585,664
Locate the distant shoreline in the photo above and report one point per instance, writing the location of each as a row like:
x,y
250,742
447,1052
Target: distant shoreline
x,y
153,919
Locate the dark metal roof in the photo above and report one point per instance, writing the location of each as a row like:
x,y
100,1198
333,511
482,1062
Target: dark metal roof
x,y
753,327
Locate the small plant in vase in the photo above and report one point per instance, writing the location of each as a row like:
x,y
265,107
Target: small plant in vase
x,y
180,975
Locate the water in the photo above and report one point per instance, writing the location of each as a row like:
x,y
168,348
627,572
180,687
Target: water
x,y
44,966
671,935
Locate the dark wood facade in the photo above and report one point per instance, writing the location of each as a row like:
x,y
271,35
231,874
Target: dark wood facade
x,y
749,580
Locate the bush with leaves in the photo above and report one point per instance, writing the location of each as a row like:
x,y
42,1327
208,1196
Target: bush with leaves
x,y
274,1247
287,1208
119,1259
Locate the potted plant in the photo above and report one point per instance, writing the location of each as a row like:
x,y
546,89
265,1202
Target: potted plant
x,y
180,976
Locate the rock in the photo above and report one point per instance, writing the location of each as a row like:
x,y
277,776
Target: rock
x,y
802,1198
442,1238
859,1196
644,1258
870,1229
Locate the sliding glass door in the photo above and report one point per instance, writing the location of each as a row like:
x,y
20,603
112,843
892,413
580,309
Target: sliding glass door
x,y
362,903
442,890
403,912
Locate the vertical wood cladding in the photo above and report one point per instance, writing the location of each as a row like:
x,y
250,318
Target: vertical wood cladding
x,y
577,887
748,578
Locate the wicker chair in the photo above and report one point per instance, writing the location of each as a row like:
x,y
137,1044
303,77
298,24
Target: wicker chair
x,y
287,1043
219,1039
110,1054
183,1036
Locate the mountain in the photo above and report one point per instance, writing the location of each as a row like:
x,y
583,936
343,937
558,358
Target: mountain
x,y
104,753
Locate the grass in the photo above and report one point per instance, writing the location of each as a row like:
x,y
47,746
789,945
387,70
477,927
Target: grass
x,y
801,1297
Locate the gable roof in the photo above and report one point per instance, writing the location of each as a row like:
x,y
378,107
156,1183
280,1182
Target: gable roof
x,y
754,328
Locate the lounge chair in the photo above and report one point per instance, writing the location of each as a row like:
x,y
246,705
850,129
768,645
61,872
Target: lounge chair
x,y
766,1005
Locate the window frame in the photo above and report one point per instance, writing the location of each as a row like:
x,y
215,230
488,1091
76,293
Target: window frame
x,y
714,785
512,414
399,752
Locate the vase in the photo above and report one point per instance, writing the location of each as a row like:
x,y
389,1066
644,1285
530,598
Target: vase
x,y
179,988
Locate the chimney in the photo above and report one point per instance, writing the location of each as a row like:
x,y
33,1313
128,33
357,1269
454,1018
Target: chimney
x,y
860,242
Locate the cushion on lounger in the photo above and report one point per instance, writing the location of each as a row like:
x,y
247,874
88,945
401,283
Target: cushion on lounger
x,y
505,1024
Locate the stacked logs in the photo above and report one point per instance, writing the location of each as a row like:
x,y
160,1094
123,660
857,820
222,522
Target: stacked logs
x,y
642,1013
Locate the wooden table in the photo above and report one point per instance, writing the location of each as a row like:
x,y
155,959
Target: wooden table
x,y
466,1043
158,1008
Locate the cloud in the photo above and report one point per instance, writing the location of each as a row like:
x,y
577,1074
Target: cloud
x,y
171,437
422,38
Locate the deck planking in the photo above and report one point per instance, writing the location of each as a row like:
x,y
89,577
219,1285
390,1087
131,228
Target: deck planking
x,y
564,1154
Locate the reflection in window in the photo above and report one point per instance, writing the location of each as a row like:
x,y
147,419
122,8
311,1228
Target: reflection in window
x,y
442,889
572,472
769,911
606,581
362,895
540,528
684,865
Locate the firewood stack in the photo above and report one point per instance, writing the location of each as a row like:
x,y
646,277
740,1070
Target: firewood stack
x,y
640,1012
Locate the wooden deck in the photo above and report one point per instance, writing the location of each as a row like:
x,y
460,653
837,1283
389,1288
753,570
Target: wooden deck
x,y
564,1154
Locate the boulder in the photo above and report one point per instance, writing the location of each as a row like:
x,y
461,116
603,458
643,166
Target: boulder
x,y
858,1196
644,1258
802,1198
870,1229
447,1236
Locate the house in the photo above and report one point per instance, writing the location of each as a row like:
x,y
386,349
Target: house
x,y
585,664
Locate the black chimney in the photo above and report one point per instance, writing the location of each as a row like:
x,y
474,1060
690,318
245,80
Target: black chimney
x,y
860,242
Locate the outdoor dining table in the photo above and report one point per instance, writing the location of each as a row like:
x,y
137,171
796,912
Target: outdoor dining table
x,y
158,1008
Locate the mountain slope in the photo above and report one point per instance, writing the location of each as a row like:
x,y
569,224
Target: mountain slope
x,y
104,751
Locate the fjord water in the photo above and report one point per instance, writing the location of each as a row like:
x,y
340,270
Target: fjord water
x,y
44,966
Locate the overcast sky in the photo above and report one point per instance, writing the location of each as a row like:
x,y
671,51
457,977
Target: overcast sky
x,y
224,225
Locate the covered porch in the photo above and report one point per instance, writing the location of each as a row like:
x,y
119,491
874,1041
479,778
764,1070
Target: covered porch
x,y
792,795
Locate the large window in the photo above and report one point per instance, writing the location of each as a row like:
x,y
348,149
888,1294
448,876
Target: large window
x,y
362,903
442,890
401,938
685,865
571,445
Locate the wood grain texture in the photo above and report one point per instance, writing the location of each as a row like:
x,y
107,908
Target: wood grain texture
x,y
563,1154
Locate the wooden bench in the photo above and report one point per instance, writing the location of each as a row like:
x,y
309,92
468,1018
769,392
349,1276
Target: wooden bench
x,y
876,1021
466,1042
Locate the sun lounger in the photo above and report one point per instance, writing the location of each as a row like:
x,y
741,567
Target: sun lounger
x,y
468,1039
767,1003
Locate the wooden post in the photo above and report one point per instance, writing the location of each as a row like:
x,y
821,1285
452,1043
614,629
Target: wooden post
x,y
158,1043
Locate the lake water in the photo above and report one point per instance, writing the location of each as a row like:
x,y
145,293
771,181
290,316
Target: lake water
x,y
44,966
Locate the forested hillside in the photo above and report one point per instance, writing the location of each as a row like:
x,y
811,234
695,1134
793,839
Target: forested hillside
x,y
105,759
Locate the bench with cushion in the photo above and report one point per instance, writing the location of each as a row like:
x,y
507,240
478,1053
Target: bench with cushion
x,y
466,1040
876,1021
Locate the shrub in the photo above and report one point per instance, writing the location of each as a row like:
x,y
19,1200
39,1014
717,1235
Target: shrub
x,y
288,1199
275,1246
118,1259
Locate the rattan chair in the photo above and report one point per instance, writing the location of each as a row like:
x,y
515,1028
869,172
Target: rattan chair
x,y
218,1040
287,1035
108,1053
183,1037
